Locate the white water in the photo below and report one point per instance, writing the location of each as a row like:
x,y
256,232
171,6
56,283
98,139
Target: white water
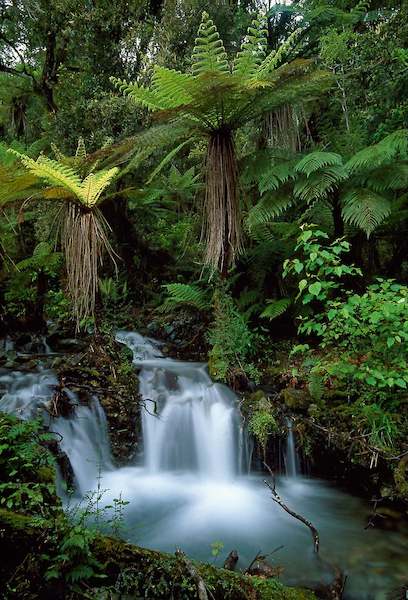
x,y
291,458
189,488
82,435
191,423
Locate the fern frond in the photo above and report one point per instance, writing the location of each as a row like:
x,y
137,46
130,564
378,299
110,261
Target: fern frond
x,y
316,385
393,146
52,172
314,161
94,185
387,177
275,175
171,87
275,58
139,94
319,184
365,209
80,153
209,52
268,208
183,294
252,51
275,309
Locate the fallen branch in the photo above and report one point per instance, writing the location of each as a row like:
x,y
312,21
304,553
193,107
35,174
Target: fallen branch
x,y
276,498
194,574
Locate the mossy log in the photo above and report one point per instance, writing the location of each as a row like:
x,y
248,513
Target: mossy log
x,y
133,571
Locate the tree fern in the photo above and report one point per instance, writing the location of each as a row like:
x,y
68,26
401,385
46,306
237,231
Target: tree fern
x,y
83,229
211,103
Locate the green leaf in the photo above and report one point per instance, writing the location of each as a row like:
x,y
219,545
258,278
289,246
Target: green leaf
x,y
315,288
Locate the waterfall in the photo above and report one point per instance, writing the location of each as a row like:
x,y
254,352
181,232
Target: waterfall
x,y
190,422
291,458
82,435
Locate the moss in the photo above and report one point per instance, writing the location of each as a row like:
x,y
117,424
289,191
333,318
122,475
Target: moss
x,y
400,477
137,571
161,575
296,398
46,475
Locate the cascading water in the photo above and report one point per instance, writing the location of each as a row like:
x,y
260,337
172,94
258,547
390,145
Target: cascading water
x,y
191,423
82,435
191,488
291,458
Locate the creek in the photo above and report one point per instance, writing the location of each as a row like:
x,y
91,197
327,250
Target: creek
x,y
192,485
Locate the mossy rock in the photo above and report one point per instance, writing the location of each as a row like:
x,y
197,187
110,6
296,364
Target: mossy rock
x,y
296,398
132,571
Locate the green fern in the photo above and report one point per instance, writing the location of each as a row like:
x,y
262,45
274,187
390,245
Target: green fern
x,y
365,209
208,105
180,294
276,308
316,161
209,53
253,49
316,385
392,147
318,184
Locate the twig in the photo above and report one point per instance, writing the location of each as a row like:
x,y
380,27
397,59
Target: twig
x,y
276,498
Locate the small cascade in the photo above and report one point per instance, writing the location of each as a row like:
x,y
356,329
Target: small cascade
x,y
291,457
83,434
191,423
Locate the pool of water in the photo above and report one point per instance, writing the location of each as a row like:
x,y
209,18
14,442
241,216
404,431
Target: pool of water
x,y
169,510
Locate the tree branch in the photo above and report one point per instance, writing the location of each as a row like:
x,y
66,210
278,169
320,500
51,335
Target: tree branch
x,y
276,498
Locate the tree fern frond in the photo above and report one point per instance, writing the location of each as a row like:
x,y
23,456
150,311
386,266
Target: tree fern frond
x,y
80,153
15,186
387,177
171,87
275,175
139,94
393,146
365,209
315,161
52,172
318,184
59,155
275,58
252,51
209,52
321,214
275,309
183,294
268,208
94,185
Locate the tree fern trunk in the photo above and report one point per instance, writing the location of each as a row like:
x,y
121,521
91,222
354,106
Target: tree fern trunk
x,y
222,215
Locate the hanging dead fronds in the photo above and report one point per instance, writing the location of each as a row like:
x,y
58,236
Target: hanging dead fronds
x,y
84,239
281,128
222,214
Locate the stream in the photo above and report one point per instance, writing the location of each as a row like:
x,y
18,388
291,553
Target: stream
x,y
192,486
